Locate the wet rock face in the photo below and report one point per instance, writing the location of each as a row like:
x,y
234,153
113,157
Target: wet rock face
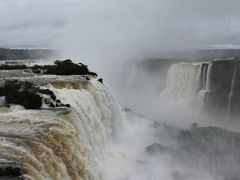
x,y
19,84
213,148
100,80
221,81
52,100
11,171
222,75
209,140
29,95
156,148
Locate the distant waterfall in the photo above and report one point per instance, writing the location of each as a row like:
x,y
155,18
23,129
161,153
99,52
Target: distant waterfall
x,y
208,79
61,143
205,87
233,98
213,86
183,80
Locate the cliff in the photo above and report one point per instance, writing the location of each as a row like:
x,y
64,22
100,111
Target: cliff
x,y
57,142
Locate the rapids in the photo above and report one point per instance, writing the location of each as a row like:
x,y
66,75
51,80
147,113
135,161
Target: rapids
x,y
61,143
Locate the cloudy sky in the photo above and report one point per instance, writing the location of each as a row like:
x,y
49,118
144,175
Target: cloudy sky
x,y
120,25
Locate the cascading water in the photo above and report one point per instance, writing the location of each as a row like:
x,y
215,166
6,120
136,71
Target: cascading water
x,y
208,80
210,85
62,143
233,98
182,81
205,85
76,143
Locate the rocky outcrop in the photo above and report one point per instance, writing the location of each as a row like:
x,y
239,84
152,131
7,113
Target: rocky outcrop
x,y
65,67
212,148
20,84
11,170
156,148
29,95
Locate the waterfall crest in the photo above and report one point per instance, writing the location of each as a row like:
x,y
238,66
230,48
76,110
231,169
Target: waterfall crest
x,y
62,143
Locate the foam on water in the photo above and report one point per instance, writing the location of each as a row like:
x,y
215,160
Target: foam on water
x,y
62,143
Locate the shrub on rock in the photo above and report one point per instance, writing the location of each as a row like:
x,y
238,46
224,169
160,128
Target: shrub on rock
x,y
23,93
66,67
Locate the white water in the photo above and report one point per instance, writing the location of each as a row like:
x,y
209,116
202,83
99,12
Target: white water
x,y
209,72
182,81
62,144
234,79
94,141
129,160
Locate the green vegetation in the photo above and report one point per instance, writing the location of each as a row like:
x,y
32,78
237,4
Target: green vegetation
x,y
29,95
17,54
12,67
66,67
23,93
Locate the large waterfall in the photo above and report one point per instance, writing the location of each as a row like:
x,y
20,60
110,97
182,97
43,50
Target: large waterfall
x,y
61,143
183,80
78,132
212,85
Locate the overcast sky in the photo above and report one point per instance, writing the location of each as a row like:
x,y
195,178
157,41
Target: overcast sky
x,y
120,25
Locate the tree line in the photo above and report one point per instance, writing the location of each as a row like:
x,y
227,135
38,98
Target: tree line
x,y
17,54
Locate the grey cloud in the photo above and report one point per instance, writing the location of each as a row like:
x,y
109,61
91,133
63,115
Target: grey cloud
x,y
127,25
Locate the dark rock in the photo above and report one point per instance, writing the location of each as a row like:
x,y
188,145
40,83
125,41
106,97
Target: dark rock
x,y
12,67
37,71
127,110
46,91
92,74
67,105
155,149
27,71
211,140
194,126
62,105
100,80
53,96
29,100
47,100
52,105
58,101
11,172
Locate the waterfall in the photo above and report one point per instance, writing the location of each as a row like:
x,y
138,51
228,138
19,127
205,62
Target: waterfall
x,y
213,86
206,84
62,143
208,80
183,80
232,91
